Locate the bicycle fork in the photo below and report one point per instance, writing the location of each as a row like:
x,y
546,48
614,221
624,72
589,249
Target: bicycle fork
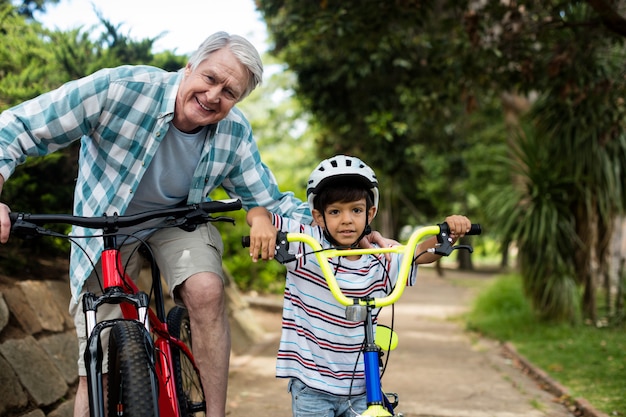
x,y
138,303
378,404
93,353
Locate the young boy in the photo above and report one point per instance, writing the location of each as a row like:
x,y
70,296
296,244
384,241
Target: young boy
x,y
319,347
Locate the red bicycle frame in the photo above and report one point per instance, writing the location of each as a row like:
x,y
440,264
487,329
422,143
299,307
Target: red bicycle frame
x,y
151,337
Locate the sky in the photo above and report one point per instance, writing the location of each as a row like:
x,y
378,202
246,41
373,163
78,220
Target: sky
x,y
186,22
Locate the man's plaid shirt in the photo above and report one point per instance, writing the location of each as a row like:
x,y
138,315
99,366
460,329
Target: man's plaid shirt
x,y
121,115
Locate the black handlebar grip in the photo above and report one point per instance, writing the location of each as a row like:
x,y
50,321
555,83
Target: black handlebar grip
x,y
245,241
215,206
475,229
13,217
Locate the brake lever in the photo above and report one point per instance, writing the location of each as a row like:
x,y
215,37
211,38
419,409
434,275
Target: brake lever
x,y
224,219
190,221
464,247
281,248
282,254
444,241
27,230
445,246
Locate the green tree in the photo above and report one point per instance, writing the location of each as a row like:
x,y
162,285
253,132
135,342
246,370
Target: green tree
x,y
399,82
34,60
27,65
369,74
569,187
28,8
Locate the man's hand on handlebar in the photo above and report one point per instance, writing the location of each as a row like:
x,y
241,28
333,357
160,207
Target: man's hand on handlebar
x,y
380,240
5,223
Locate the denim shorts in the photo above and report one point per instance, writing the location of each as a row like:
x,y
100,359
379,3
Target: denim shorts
x,y
309,402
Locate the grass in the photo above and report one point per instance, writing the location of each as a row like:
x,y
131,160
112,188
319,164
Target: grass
x,y
589,361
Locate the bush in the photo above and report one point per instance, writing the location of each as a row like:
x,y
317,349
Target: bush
x,y
501,309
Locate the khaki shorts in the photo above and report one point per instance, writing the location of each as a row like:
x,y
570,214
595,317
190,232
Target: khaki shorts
x,y
179,255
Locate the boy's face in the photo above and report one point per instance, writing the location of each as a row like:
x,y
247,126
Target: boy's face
x,y
345,222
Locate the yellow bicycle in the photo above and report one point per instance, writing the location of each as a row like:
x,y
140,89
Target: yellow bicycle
x,y
379,403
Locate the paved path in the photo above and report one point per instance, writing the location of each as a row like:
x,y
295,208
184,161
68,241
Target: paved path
x,y
438,370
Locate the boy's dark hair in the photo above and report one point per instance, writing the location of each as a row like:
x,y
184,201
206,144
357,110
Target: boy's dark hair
x,y
342,191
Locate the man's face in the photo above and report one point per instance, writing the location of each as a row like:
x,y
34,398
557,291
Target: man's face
x,y
206,94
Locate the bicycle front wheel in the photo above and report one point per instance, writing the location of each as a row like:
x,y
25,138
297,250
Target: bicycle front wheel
x,y
188,384
132,383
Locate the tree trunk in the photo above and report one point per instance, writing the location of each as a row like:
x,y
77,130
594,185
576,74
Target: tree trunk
x,y
587,232
589,298
619,298
464,257
439,268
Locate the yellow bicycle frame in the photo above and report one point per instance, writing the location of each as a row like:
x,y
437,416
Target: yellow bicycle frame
x,y
408,250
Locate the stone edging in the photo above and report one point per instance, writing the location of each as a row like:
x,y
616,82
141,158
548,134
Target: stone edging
x,y
579,406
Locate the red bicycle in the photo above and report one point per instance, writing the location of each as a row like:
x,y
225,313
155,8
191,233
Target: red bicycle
x,y
152,371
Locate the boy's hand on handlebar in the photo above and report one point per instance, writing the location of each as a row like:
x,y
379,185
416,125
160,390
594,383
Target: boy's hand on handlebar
x,y
459,226
262,234
5,223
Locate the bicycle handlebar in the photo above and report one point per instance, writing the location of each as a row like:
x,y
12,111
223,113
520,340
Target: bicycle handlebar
x,y
444,247
186,217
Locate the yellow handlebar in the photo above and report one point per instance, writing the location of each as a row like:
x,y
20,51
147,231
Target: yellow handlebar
x,y
407,249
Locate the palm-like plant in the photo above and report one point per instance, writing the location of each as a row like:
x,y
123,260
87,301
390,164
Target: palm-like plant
x,y
567,189
534,211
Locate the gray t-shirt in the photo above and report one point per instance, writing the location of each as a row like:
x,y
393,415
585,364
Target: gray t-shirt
x,y
167,180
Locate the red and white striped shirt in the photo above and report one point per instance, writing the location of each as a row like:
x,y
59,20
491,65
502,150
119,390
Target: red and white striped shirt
x,y
318,345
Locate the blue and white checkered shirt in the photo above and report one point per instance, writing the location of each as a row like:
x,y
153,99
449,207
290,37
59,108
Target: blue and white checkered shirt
x,y
121,115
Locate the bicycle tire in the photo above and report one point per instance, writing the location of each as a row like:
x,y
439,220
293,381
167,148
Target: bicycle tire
x,y
132,384
191,401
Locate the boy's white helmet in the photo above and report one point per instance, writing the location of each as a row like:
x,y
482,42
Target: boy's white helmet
x,y
345,167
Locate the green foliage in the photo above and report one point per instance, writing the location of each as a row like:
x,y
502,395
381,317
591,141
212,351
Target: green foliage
x,y
41,185
31,192
370,73
282,128
400,84
27,8
501,310
588,134
116,48
534,211
568,161
26,61
249,276
33,61
589,361
487,148
169,61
